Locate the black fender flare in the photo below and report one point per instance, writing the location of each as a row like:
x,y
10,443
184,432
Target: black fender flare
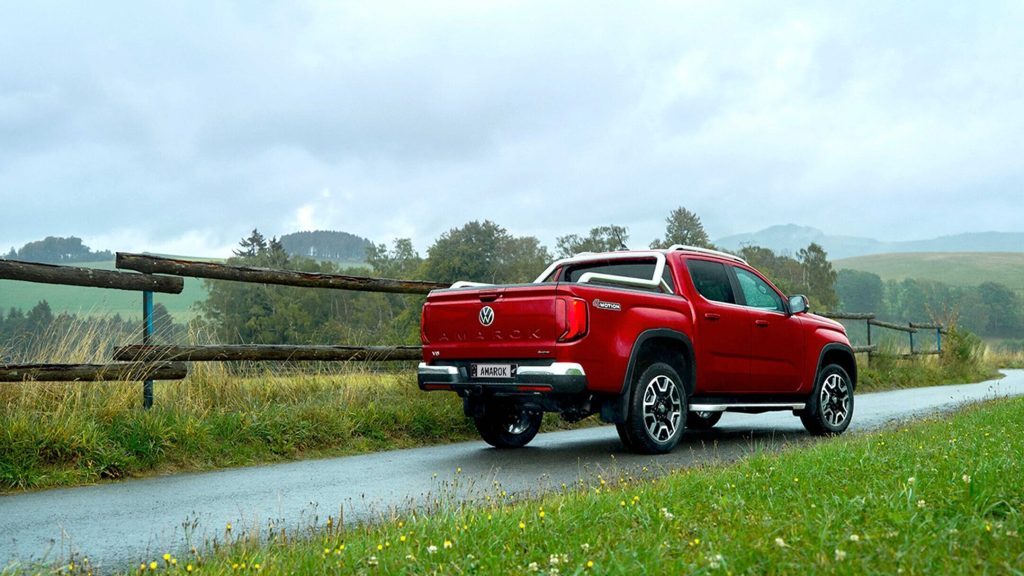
x,y
844,350
615,408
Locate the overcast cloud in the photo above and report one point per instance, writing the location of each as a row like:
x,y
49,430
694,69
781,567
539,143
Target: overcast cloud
x,y
178,127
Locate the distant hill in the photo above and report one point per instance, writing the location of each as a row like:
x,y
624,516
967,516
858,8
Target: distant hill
x,y
327,245
953,268
58,250
789,238
98,301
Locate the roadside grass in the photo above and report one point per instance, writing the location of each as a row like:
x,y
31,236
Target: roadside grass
x,y
943,496
1006,355
221,416
66,434
965,358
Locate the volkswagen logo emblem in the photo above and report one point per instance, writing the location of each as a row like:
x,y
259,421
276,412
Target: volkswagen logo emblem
x,y
487,315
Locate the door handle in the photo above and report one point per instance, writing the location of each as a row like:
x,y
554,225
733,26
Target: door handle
x,y
761,323
712,316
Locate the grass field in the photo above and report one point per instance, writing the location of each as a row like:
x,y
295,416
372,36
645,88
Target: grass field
x,y
98,301
938,497
953,268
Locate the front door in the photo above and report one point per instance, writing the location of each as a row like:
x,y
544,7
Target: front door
x,y
776,343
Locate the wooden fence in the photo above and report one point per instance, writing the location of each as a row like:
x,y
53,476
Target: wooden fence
x,y
148,362
911,328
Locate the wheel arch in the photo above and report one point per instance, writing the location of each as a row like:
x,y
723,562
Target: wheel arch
x,y
670,346
841,355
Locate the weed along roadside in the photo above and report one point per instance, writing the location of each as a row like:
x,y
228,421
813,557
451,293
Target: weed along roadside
x,y
932,497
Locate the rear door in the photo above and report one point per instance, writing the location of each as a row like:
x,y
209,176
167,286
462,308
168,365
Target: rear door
x,y
722,340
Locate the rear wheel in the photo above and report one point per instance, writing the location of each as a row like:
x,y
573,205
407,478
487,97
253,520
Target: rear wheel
x,y
702,420
830,408
657,409
508,425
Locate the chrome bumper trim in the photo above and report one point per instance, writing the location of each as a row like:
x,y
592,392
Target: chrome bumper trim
x,y
428,370
555,369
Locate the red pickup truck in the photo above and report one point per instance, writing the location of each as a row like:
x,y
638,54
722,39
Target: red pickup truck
x,y
653,341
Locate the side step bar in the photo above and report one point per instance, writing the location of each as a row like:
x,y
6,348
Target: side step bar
x,y
766,406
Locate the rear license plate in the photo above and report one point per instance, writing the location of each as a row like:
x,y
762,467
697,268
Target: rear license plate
x,y
492,370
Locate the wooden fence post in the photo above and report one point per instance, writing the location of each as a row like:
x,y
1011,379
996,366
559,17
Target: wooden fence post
x,y
147,337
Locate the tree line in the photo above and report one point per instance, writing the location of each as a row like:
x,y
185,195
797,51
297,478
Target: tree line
x,y
989,309
326,245
39,333
487,252
479,251
58,250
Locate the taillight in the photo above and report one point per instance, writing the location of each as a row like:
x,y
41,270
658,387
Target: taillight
x,y
423,325
572,316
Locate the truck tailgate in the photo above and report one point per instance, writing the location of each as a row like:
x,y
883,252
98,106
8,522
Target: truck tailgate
x,y
500,322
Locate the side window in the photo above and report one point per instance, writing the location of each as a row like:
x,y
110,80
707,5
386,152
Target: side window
x,y
757,292
712,280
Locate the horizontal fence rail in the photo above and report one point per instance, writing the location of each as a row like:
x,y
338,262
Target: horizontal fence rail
x,y
892,326
216,271
93,372
849,315
90,277
910,329
265,352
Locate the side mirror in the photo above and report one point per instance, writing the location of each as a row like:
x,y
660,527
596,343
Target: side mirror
x,y
798,304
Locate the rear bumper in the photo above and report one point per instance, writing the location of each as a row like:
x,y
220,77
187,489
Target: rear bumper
x,y
554,378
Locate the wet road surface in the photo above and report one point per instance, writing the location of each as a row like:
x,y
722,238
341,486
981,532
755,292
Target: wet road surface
x,y
118,525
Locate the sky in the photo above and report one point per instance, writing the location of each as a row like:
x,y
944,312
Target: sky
x,y
178,127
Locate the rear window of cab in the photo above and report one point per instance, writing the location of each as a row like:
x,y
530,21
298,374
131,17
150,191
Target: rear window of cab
x,y
641,269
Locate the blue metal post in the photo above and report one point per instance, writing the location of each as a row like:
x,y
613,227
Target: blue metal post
x,y
147,336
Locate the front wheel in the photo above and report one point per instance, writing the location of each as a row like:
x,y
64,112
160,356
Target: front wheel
x,y
657,411
830,408
508,425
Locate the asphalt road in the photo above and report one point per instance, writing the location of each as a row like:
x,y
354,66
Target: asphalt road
x,y
120,524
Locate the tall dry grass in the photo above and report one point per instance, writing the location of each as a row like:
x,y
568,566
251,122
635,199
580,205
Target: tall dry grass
x,y
221,415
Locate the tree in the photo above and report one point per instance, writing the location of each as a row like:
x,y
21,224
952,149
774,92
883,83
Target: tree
x,y
683,227
473,252
601,239
402,261
819,277
525,258
785,272
39,317
859,291
252,246
1004,318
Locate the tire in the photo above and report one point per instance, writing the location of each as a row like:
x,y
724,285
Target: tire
x,y
702,420
830,407
657,407
508,425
